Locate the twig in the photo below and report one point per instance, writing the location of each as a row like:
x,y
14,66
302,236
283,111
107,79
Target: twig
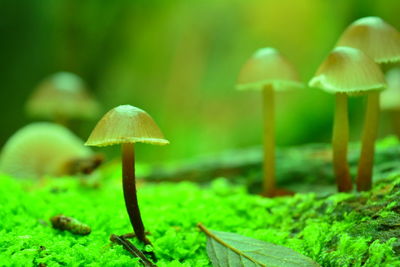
x,y
132,249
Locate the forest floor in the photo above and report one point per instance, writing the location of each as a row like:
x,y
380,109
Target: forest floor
x,y
334,229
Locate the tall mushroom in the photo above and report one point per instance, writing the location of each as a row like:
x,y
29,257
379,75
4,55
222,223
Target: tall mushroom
x,y
127,125
267,70
346,71
62,97
381,42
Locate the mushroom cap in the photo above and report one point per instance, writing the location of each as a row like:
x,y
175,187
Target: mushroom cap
x,y
348,70
41,148
126,124
63,94
390,98
268,67
372,35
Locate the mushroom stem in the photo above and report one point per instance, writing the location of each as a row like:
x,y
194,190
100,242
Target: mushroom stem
x,y
340,140
269,142
129,186
366,162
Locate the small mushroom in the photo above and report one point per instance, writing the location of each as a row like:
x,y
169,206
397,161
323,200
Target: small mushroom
x,y
45,148
348,71
267,70
62,97
376,38
381,42
127,125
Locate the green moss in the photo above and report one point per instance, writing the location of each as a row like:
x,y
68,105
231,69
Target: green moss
x,y
338,230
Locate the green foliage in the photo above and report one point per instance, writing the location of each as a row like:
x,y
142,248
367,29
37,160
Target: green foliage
x,y
334,231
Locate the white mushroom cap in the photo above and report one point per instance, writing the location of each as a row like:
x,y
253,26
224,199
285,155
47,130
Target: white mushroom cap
x,y
62,95
126,124
348,70
39,149
376,38
268,67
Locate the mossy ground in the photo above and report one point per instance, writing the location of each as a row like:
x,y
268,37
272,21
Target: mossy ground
x,y
336,230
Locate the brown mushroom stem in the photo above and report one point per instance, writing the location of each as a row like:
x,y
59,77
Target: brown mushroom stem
x,y
340,140
366,162
129,186
269,142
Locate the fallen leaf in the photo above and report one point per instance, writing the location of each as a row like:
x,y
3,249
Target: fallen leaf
x,y
233,250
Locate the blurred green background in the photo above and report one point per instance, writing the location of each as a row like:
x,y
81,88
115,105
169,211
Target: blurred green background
x,y
179,60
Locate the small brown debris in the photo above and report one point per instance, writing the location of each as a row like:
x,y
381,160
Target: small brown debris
x,y
70,224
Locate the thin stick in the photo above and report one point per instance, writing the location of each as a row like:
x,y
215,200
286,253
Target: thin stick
x,y
131,249
269,142
365,165
129,186
340,140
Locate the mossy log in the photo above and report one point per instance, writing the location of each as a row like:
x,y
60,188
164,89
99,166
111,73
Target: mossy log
x,y
303,164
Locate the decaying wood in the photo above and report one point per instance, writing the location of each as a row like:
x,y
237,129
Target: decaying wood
x,y
311,163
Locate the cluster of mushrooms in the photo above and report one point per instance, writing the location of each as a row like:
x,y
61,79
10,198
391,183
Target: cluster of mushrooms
x,y
351,69
50,148
46,148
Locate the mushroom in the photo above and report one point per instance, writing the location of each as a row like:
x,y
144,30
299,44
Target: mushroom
x,y
127,125
380,41
267,70
376,38
45,148
348,71
62,97
390,98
